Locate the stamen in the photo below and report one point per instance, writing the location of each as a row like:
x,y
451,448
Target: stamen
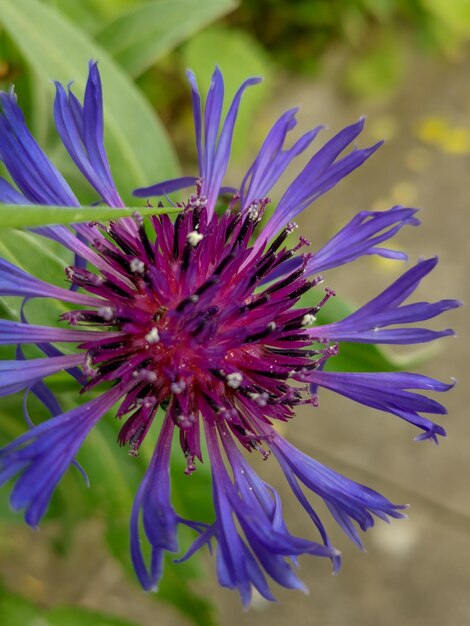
x,y
300,291
263,333
308,319
253,211
178,387
256,303
234,380
197,201
190,465
106,312
178,222
194,238
145,374
152,336
288,280
83,277
137,266
329,294
186,421
221,336
261,399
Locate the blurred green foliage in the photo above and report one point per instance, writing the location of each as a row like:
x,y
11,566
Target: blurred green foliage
x,y
18,611
371,35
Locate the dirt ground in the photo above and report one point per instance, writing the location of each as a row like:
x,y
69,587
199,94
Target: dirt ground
x,y
416,572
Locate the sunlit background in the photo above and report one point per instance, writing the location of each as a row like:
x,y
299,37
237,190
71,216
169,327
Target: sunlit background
x,y
406,65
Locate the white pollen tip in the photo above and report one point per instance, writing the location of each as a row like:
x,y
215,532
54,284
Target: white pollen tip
x,y
106,312
137,266
194,238
308,319
178,387
253,211
234,380
152,336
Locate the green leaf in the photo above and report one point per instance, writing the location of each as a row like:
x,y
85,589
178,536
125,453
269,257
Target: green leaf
x,y
146,32
138,147
90,15
455,15
27,215
378,70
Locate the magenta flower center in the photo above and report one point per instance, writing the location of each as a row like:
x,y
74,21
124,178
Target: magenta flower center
x,y
195,324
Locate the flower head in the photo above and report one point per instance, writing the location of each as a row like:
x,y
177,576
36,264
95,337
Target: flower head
x,y
200,316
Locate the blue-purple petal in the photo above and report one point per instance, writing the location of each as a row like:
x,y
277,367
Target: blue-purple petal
x,y
389,392
360,237
82,132
18,375
168,186
42,455
9,195
34,174
368,324
320,174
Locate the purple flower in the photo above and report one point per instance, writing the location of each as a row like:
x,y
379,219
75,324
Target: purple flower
x,y
200,317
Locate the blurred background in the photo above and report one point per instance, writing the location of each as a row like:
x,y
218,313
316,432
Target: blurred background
x,y
406,65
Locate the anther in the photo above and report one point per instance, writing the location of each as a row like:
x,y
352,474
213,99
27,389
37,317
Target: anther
x,y
263,333
186,421
186,302
308,319
190,465
106,312
83,277
137,266
261,399
300,291
234,380
178,222
256,303
210,282
197,201
144,374
152,336
285,282
88,366
178,386
253,211
276,244
194,238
